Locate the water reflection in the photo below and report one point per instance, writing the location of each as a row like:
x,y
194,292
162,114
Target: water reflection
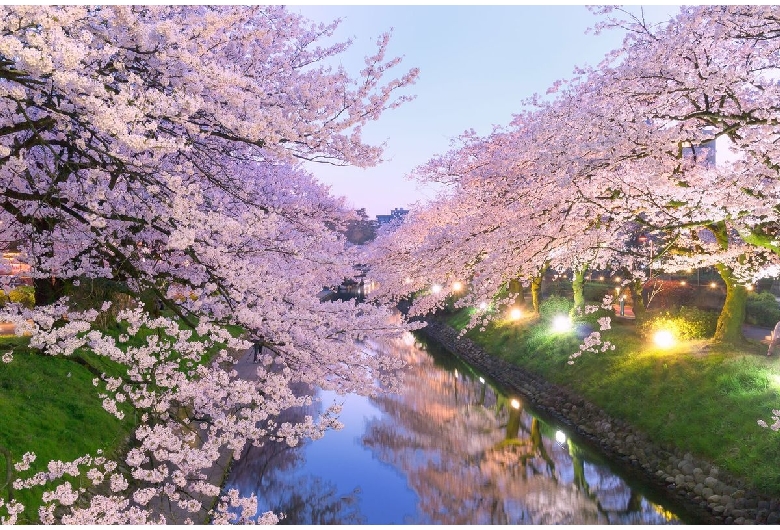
x,y
446,449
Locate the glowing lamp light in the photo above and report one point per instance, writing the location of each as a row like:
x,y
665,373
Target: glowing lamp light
x,y
515,404
481,379
483,306
561,324
713,285
683,282
663,339
749,287
601,278
617,278
515,313
560,437
457,286
436,288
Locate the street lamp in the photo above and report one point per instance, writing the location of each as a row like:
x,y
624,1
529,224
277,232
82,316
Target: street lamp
x,y
561,324
663,339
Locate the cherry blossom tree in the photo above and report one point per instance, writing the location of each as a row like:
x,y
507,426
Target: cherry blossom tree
x,y
628,144
160,147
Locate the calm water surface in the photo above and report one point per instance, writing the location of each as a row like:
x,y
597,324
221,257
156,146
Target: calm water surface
x,y
447,449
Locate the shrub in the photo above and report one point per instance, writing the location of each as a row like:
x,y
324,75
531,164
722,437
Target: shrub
x,y
24,294
595,292
685,323
3,298
762,310
555,305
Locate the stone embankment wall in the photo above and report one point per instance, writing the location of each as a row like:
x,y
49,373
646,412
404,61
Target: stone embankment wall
x,y
697,486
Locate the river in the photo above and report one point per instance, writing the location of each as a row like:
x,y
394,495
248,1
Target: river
x,y
447,449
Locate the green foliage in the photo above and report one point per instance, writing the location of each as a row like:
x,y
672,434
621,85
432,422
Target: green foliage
x,y
555,305
23,294
762,310
595,292
685,323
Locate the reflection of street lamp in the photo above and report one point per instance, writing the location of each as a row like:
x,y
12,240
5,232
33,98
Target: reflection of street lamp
x,y
560,437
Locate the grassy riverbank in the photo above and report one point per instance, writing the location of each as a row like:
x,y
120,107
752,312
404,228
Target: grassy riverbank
x,y
701,398
49,406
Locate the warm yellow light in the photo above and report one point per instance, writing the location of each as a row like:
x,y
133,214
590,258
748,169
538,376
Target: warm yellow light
x,y
436,288
457,286
663,339
749,287
683,282
515,404
713,285
617,279
601,278
515,313
561,324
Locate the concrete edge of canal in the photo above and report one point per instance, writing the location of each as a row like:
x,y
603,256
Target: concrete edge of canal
x,y
696,486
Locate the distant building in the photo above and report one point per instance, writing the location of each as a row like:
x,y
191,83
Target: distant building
x,y
397,214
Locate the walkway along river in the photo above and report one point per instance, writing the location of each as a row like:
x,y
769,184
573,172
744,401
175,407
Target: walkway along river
x,y
448,448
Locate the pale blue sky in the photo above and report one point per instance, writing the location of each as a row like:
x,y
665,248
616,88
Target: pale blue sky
x,y
476,66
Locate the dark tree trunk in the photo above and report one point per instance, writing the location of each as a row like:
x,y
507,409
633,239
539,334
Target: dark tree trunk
x,y
732,316
48,290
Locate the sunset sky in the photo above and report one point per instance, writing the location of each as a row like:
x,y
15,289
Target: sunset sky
x,y
477,65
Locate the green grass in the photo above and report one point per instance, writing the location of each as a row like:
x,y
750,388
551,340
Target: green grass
x,y
701,398
49,406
